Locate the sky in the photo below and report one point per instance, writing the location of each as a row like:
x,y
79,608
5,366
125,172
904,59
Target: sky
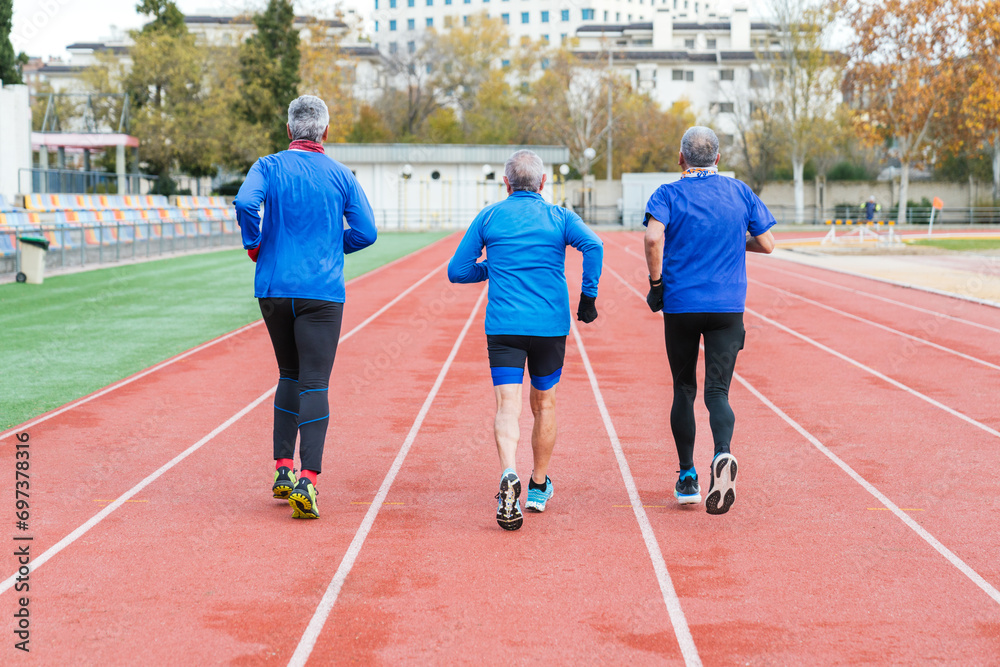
x,y
45,27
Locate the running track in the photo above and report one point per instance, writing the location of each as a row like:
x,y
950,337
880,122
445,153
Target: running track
x,y
866,527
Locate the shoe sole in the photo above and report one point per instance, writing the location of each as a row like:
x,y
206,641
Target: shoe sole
x,y
687,500
510,490
302,506
723,490
282,490
536,506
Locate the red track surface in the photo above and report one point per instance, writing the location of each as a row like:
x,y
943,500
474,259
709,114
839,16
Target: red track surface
x,y
808,568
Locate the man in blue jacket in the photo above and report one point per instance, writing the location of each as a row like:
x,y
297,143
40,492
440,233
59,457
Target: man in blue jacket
x,y
299,282
528,316
698,231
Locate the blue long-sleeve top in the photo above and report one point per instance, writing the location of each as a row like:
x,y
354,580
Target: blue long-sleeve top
x,y
525,239
306,197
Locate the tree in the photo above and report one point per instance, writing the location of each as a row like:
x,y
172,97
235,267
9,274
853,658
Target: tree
x,y
981,104
10,65
326,72
761,140
370,127
648,138
805,84
166,16
269,71
905,66
412,95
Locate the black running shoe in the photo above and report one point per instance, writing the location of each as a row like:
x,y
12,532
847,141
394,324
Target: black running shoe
x,y
284,482
303,500
508,506
687,491
722,492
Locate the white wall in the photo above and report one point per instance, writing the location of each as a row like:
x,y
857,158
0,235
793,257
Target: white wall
x,y
15,138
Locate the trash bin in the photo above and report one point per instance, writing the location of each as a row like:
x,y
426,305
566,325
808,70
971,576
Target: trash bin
x,y
33,251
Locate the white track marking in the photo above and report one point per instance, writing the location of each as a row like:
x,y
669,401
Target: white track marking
x,y
877,297
881,497
677,619
163,364
311,634
868,369
974,576
843,313
100,516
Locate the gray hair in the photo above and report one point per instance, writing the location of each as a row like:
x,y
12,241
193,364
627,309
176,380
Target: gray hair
x,y
308,118
700,146
524,171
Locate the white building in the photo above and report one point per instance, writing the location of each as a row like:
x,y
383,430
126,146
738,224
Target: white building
x,y
403,22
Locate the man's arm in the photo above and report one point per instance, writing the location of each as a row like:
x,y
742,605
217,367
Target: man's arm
x,y
583,238
360,219
762,244
654,248
464,267
247,204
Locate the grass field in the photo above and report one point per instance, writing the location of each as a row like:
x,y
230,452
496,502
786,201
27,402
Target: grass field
x,y
79,332
960,244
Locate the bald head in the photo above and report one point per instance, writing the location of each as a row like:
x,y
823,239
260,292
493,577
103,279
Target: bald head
x,y
700,146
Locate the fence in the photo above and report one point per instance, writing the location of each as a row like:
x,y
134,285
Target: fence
x,y
79,245
915,215
71,181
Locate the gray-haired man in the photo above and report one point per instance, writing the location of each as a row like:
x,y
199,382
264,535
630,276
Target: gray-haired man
x,y
528,317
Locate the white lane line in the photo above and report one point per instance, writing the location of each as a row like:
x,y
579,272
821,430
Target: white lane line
x,y
843,313
677,619
163,364
884,299
882,498
311,634
862,292
882,376
100,516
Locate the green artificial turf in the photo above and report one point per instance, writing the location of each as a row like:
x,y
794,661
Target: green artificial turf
x,y
79,332
960,244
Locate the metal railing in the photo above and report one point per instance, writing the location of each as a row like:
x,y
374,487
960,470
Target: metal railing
x,y
71,181
80,245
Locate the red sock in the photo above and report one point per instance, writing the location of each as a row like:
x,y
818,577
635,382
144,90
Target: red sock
x,y
284,463
310,475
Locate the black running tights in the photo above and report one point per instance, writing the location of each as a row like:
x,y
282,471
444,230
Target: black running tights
x,y
724,337
304,334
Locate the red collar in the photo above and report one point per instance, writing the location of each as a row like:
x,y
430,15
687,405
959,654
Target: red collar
x,y
306,145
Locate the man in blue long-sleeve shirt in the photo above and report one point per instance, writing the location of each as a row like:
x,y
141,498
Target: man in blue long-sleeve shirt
x,y
299,281
528,315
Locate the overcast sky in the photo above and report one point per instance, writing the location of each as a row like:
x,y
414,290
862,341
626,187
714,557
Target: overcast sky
x,y
45,27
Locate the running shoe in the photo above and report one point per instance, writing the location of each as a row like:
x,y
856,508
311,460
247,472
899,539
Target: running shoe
x,y
687,491
722,492
508,506
284,482
538,497
303,500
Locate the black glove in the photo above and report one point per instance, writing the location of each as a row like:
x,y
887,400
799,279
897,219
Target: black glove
x,y
587,311
655,297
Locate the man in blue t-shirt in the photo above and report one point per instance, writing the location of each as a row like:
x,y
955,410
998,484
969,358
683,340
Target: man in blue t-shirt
x,y
299,281
698,231
527,318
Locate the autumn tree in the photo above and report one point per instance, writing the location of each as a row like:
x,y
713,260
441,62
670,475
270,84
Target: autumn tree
x,y
904,65
269,71
761,141
647,138
328,73
981,103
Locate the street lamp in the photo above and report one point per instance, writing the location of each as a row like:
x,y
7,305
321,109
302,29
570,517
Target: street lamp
x,y
563,173
405,172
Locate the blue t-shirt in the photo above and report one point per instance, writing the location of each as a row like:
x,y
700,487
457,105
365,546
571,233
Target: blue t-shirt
x,y
306,197
525,239
704,251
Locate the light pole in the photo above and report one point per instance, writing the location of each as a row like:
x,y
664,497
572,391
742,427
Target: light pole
x,y
563,173
404,173
487,170
588,182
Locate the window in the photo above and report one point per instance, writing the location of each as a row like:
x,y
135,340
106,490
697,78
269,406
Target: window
x,y
393,47
447,2
564,15
545,63
688,43
392,4
545,39
410,24
562,37
430,23
392,26
712,43
727,75
505,18
725,107
411,47
376,4
430,3
525,40
447,21
587,14
430,68
618,16
376,26
524,17
605,16
505,63
689,76
468,2
410,3
758,79
545,17
465,20
677,75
